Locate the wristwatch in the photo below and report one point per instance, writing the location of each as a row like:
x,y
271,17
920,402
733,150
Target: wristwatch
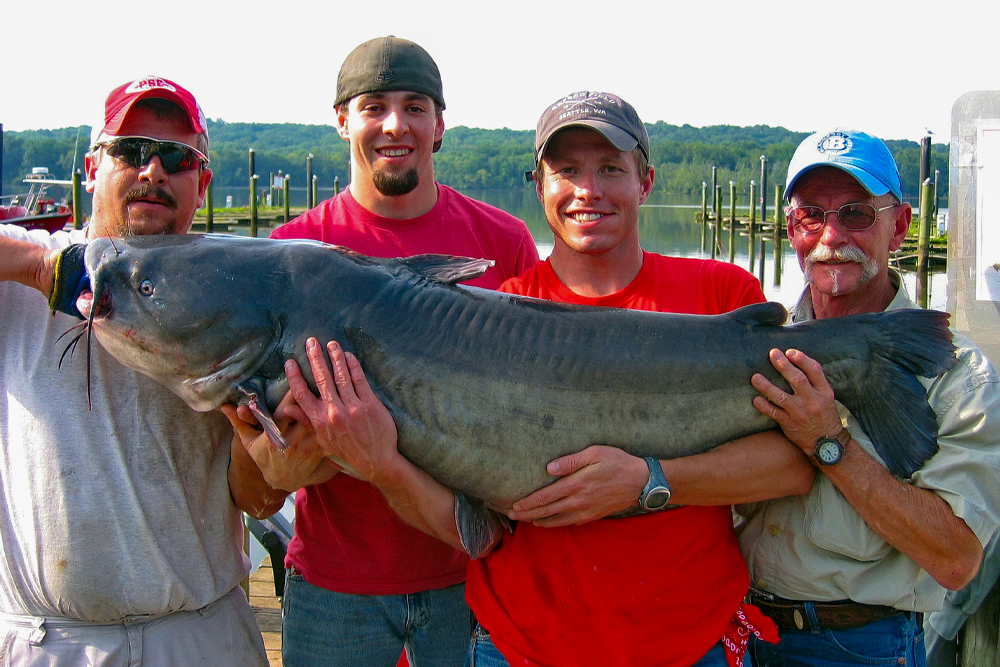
x,y
656,495
829,450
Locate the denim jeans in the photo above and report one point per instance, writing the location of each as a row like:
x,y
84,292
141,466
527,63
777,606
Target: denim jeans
x,y
891,641
322,628
482,653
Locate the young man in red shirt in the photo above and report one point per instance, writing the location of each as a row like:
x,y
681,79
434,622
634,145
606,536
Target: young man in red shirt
x,y
569,586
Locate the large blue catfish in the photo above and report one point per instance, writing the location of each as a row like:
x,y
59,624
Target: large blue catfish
x,y
485,388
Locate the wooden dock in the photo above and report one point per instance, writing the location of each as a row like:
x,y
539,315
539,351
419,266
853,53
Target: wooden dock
x,y
267,609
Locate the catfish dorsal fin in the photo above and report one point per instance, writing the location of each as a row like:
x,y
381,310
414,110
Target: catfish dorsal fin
x,y
770,314
447,269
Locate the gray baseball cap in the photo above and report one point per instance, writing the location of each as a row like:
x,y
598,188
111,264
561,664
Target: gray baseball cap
x,y
609,114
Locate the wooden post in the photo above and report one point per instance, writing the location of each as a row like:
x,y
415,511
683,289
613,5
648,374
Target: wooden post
x,y
717,207
314,190
704,215
284,197
336,185
923,240
714,185
310,196
732,221
77,200
253,206
779,237
978,638
209,210
752,229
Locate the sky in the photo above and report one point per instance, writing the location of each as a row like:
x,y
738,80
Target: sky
x,y
891,68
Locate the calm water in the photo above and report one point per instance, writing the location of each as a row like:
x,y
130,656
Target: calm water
x,y
667,225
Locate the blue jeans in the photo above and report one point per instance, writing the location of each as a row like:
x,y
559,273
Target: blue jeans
x,y
321,628
891,641
482,653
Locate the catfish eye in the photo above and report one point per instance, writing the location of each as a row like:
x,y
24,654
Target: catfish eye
x,y
146,287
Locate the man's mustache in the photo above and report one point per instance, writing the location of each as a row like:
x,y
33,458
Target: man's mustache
x,y
151,192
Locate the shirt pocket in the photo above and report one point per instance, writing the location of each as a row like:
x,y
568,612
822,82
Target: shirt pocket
x,y
831,523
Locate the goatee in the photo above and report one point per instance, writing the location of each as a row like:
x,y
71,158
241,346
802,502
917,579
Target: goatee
x,y
395,185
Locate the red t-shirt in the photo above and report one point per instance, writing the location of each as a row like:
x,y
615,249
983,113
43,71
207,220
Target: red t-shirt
x,y
654,590
347,538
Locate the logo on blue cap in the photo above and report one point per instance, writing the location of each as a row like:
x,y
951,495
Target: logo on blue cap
x,y
835,142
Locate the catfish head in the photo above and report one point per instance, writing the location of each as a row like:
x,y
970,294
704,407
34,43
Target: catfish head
x,y
186,311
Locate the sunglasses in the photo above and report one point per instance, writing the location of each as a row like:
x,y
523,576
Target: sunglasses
x,y
138,151
853,217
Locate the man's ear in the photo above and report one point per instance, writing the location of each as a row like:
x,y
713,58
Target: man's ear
x,y
902,216
90,170
342,128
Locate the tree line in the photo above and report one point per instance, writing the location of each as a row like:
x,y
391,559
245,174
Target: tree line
x,y
469,159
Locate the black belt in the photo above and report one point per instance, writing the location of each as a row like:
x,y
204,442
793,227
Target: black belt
x,y
839,615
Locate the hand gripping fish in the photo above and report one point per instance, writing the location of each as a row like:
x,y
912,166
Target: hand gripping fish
x,y
487,388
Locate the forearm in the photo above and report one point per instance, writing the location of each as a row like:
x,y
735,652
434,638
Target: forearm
x,y
916,521
420,500
27,263
250,492
758,467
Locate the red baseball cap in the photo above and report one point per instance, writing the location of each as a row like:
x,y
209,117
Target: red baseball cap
x,y
121,99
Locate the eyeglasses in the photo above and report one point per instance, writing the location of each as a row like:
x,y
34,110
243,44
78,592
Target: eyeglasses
x,y
138,151
854,217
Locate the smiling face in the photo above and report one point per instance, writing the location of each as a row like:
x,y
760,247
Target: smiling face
x,y
591,192
841,265
130,201
392,137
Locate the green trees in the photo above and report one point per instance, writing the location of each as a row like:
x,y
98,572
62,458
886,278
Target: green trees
x,y
470,158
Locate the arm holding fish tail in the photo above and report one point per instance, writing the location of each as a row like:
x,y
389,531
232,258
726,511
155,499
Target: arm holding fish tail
x,y
351,424
916,521
600,480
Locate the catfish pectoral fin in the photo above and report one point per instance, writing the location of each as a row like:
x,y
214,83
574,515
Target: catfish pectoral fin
x,y
252,393
479,527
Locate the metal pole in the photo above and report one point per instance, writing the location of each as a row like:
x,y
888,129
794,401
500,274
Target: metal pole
x,y
310,196
284,196
704,215
77,200
923,240
253,206
752,231
209,210
732,221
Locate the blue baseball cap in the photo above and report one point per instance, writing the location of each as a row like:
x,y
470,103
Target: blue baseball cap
x,y
861,155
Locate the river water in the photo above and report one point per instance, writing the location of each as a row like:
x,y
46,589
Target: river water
x,y
667,225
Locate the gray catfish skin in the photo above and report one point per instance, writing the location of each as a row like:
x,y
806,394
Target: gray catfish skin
x,y
486,388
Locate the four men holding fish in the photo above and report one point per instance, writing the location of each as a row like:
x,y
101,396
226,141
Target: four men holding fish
x,y
843,557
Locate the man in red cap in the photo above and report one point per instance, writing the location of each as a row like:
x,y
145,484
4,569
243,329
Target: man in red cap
x,y
120,540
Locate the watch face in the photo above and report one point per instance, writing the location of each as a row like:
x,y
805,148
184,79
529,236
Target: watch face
x,y
829,451
657,498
